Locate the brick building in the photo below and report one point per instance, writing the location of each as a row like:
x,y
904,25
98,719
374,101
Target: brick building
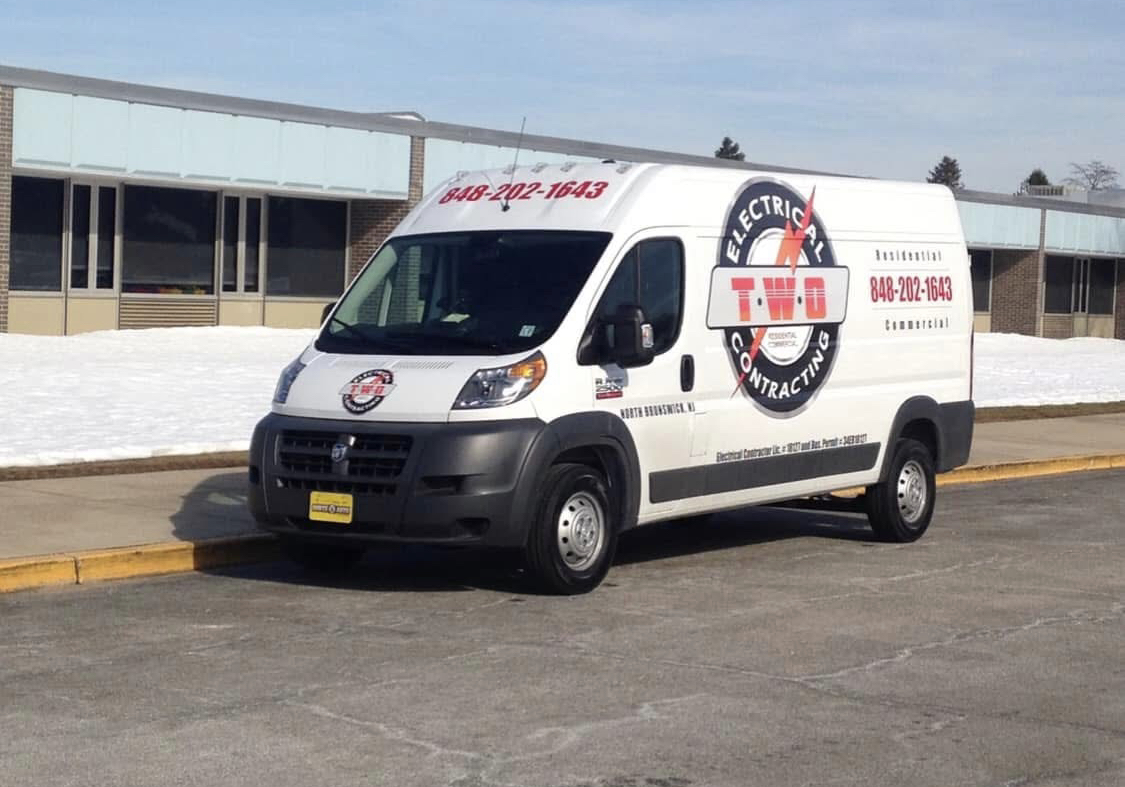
x,y
1046,266
126,205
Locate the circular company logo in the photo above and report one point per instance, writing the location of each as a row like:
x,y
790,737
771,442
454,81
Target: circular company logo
x,y
365,391
785,296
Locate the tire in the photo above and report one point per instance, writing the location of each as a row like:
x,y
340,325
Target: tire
x,y
572,540
900,507
324,559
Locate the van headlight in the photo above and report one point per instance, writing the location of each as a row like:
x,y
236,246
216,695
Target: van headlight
x,y
285,382
502,385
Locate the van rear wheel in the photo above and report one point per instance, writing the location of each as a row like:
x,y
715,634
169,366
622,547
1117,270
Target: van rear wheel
x,y
573,537
900,508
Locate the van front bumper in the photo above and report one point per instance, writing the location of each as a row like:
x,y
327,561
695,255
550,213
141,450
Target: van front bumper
x,y
410,482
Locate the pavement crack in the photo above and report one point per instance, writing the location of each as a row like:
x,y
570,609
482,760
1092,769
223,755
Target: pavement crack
x,y
1075,617
387,731
930,572
564,737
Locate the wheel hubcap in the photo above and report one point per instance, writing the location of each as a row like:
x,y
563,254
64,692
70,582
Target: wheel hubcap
x,y
911,492
581,531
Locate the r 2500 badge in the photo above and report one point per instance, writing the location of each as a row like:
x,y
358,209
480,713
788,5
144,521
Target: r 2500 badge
x,y
778,295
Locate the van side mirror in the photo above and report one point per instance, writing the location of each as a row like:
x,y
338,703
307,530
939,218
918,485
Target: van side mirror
x,y
630,338
326,311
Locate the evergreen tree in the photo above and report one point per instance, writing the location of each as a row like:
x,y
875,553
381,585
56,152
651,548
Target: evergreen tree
x,y
947,172
1037,178
728,149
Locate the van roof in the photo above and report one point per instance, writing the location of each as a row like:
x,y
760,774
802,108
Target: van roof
x,y
625,198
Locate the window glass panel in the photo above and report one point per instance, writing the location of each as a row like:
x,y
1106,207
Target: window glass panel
x,y
36,234
253,238
487,291
651,276
107,228
622,288
1101,286
230,244
981,269
169,243
1059,275
306,247
80,236
662,287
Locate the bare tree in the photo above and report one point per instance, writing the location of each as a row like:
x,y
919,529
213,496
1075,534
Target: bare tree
x,y
1094,175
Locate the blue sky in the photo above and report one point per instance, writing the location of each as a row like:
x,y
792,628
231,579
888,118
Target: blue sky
x,y
865,87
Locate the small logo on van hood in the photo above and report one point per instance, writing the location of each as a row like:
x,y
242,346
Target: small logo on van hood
x,y
366,390
778,295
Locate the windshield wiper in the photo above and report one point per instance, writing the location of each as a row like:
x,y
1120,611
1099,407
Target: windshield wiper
x,y
467,341
368,338
458,339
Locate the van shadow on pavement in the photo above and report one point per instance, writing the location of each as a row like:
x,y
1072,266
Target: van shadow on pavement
x,y
217,507
214,508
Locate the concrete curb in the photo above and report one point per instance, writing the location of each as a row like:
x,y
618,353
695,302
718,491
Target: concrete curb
x,y
152,464
224,459
24,573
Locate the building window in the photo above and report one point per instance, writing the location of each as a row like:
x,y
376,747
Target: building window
x,y
242,237
36,234
1058,274
169,241
80,237
651,276
107,232
981,269
253,245
307,247
230,243
93,225
1102,286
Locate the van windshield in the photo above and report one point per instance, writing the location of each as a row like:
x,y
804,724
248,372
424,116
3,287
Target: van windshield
x,y
467,293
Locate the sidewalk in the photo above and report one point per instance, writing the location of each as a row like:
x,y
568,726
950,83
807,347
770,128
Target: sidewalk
x,y
71,515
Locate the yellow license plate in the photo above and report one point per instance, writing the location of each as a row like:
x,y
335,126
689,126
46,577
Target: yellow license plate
x,y
330,507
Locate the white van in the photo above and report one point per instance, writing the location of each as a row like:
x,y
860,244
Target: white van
x,y
543,358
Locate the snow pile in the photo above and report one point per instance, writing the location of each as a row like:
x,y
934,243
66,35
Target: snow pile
x,y
131,394
1024,370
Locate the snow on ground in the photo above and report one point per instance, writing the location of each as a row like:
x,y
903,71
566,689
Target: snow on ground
x,y
1024,370
128,394
131,394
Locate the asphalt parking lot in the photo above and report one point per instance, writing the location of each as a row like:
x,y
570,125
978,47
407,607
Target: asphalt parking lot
x,y
764,647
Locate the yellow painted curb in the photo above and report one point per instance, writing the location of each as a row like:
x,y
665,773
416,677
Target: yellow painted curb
x,y
138,561
1008,471
171,558
1031,469
22,573
179,556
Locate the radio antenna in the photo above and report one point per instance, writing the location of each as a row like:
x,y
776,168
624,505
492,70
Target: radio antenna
x,y
505,204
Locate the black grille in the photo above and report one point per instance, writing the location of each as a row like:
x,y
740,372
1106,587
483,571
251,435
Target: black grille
x,y
372,467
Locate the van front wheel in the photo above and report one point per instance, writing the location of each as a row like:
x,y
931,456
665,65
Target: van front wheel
x,y
573,538
900,508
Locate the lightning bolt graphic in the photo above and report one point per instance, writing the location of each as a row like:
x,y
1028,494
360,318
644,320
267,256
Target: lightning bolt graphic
x,y
788,253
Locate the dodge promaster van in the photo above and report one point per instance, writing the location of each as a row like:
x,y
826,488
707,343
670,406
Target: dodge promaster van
x,y
545,357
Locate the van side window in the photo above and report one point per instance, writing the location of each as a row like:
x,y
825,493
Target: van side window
x,y
651,275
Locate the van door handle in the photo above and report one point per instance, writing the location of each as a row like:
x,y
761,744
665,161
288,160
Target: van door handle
x,y
687,373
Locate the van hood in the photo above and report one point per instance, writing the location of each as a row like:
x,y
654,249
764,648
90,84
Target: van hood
x,y
382,387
